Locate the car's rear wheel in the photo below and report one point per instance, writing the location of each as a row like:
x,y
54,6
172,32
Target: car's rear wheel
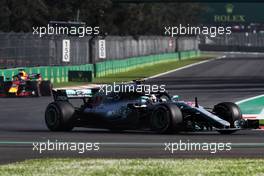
x,y
7,86
228,111
166,118
59,116
2,89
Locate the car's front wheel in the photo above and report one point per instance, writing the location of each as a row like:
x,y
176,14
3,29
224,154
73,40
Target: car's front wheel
x,y
228,111
59,116
33,86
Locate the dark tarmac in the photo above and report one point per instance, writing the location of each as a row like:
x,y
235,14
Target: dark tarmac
x,y
226,79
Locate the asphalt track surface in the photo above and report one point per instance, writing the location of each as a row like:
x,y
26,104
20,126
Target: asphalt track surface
x,y
228,79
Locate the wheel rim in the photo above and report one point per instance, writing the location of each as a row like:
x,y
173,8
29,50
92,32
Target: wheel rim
x,y
51,116
160,119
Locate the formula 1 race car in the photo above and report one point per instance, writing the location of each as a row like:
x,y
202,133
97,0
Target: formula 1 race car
x,y
23,85
157,111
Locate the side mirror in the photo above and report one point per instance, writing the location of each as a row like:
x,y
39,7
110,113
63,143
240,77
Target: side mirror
x,y
143,99
175,98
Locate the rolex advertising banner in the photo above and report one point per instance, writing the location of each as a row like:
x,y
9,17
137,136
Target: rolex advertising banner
x,y
234,13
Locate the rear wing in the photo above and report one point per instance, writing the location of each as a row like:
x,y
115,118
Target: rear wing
x,y
65,94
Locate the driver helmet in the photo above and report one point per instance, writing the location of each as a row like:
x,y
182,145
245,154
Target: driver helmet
x,y
153,98
22,74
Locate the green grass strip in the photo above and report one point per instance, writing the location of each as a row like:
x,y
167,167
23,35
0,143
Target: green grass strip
x,y
147,71
139,73
131,167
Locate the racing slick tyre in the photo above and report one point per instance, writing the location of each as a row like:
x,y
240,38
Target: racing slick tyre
x,y
228,111
2,89
45,88
33,86
7,86
166,118
59,116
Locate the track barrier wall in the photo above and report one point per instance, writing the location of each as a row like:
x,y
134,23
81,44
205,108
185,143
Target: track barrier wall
x,y
59,74
237,41
28,50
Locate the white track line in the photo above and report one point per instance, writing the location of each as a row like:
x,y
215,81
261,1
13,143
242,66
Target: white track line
x,y
262,112
248,99
187,66
259,116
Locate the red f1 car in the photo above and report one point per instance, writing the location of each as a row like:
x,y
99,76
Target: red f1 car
x,y
23,85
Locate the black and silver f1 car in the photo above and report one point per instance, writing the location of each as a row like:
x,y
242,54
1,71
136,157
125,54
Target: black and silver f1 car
x,y
158,112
